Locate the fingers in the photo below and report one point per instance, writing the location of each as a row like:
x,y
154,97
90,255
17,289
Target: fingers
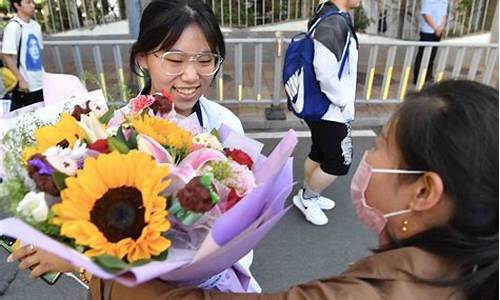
x,y
39,271
28,262
21,253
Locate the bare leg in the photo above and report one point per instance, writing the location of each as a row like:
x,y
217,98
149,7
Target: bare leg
x,y
309,167
319,180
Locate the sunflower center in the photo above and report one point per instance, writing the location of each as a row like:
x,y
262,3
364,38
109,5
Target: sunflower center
x,y
119,214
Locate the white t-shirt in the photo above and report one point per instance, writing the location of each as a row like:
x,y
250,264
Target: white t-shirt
x,y
214,115
30,66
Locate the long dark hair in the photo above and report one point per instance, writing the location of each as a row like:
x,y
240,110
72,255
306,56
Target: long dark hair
x,y
451,128
163,22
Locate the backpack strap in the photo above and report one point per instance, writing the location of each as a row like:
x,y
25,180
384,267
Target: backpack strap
x,y
344,57
326,15
20,42
346,52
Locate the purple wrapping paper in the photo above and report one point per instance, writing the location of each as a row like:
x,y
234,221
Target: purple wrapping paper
x,y
236,232
245,212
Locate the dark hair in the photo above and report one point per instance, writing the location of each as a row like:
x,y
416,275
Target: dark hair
x,y
451,128
12,4
163,22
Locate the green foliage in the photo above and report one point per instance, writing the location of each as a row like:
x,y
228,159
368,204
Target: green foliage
x,y
48,228
221,170
111,263
113,93
59,180
253,16
361,21
12,191
215,133
465,5
177,154
107,116
116,265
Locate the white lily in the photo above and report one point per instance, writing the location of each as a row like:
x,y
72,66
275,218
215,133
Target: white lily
x,y
92,127
34,207
98,109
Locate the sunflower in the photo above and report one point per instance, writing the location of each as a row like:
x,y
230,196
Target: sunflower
x,y
164,132
64,133
113,206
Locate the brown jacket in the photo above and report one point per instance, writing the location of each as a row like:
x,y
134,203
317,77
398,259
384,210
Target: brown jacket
x,y
387,275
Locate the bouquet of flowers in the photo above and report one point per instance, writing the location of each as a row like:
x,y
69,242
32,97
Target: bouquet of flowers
x,y
139,193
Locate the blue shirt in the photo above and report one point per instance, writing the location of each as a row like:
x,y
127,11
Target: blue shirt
x,y
437,9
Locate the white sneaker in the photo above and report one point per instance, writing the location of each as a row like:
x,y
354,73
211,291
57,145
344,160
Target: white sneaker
x,y
310,210
323,202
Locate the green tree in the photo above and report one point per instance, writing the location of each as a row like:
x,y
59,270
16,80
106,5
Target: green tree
x,y
361,21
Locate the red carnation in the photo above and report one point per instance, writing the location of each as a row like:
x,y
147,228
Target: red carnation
x,y
232,199
167,96
239,156
163,103
100,146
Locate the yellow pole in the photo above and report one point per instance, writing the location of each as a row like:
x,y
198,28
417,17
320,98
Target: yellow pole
x,y
405,83
121,79
440,76
221,89
387,83
370,84
103,85
240,92
422,79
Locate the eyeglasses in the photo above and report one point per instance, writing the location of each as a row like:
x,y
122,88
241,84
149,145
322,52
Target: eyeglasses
x,y
175,62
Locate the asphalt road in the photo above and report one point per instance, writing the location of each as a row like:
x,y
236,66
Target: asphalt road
x,y
294,251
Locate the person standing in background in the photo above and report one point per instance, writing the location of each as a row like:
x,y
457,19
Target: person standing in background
x,y
22,53
331,150
432,20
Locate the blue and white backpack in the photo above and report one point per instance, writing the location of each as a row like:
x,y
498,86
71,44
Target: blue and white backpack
x,y
304,94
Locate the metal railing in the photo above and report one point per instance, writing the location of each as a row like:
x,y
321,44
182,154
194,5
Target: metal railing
x,y
252,71
399,18
391,18
61,15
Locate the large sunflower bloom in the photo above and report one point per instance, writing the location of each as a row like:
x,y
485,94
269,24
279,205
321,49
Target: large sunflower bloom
x,y
113,206
164,132
65,133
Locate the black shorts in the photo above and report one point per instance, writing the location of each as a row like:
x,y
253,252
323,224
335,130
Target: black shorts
x,y
21,99
331,146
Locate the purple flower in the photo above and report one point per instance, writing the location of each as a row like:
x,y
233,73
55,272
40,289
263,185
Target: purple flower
x,y
43,168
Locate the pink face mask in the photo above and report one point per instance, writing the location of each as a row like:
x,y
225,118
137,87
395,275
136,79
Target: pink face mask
x,y
373,218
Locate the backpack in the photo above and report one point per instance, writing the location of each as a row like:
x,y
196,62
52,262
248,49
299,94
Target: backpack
x,y
304,95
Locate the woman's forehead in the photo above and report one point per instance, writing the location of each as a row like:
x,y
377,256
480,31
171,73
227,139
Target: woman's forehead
x,y
192,39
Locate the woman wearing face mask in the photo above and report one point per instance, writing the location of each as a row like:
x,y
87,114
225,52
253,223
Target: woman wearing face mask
x,y
429,190
181,47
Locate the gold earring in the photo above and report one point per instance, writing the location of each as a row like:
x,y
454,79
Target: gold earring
x,y
404,228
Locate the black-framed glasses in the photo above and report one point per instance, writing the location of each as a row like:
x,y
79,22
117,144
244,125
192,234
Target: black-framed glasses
x,y
175,62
